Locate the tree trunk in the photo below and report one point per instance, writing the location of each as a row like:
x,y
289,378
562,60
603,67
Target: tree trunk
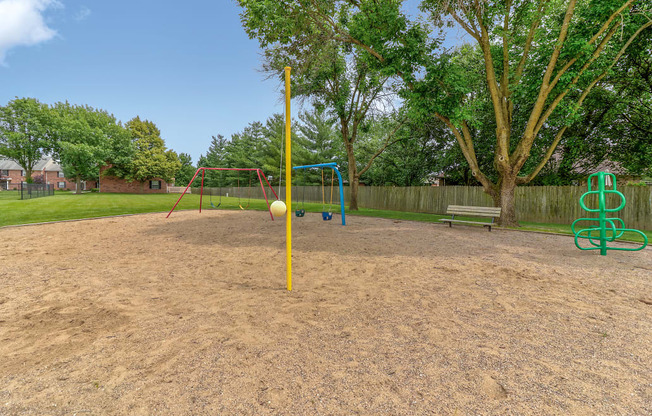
x,y
353,179
28,176
79,187
504,199
353,204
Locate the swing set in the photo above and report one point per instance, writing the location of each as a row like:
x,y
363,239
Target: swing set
x,y
258,172
210,194
326,215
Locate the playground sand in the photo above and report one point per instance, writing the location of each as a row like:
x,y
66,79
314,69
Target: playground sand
x,y
142,315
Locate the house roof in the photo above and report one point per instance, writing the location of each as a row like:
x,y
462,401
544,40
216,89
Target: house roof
x,y
6,164
610,166
47,163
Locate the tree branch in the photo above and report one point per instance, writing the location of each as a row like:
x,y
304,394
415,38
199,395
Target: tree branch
x,y
597,52
469,154
382,149
585,93
528,43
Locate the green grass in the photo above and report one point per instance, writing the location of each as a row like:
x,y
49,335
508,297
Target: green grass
x,y
68,206
9,195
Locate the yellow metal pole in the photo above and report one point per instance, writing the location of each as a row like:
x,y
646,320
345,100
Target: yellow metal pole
x,y
288,179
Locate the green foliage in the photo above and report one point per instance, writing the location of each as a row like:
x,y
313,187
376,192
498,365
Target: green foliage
x,y
334,68
25,132
151,159
641,183
187,170
320,142
85,138
258,146
534,65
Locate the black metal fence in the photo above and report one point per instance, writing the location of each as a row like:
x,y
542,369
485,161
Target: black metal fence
x,y
35,190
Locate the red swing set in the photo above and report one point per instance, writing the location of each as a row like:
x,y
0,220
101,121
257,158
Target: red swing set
x,y
259,172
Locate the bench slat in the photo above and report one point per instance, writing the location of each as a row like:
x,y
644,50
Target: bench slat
x,y
482,209
468,222
473,211
474,214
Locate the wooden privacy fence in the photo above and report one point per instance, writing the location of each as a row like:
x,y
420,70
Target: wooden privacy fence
x,y
546,204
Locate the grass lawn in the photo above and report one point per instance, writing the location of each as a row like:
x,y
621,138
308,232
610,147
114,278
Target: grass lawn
x,y
68,206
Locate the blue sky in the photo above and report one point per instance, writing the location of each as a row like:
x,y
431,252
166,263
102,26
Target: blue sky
x,y
187,66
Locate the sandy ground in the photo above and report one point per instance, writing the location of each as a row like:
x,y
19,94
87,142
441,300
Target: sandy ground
x,y
142,315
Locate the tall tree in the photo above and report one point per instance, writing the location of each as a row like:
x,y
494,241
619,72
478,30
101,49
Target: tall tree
x,y
352,90
151,159
632,99
539,58
25,132
186,171
216,157
413,160
320,143
85,138
273,152
246,150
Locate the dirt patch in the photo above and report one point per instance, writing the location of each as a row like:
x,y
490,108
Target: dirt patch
x,y
189,315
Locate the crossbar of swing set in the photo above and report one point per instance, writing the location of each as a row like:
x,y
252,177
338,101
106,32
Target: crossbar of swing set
x,y
333,166
201,195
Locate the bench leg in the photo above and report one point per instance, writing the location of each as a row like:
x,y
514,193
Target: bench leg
x,y
450,225
489,227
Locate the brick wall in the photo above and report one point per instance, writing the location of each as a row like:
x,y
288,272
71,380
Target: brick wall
x,y
48,177
112,184
15,177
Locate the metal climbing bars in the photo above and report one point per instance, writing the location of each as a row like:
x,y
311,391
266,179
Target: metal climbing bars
x,y
605,231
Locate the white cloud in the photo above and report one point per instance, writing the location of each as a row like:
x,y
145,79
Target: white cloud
x,y
22,24
83,13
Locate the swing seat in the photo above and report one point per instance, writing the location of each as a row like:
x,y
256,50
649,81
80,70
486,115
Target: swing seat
x,y
300,212
326,216
215,206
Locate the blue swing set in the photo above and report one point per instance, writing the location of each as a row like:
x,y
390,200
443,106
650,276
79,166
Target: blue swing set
x,y
326,215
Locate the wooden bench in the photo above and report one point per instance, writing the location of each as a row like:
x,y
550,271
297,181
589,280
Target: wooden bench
x,y
467,211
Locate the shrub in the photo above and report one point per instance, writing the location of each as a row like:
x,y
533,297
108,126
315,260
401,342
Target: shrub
x,y
640,183
95,189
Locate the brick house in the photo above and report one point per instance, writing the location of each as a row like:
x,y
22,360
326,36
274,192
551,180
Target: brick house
x,y
113,184
12,174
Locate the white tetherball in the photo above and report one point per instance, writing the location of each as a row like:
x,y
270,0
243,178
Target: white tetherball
x,y
278,208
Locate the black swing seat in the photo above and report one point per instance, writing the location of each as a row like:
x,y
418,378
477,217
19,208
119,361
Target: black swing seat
x,y
326,216
215,206
300,212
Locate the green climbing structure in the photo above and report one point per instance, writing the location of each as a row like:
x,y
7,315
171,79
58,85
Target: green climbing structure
x,y
605,231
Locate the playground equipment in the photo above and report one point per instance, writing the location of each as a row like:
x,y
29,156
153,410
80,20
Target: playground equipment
x,y
606,229
325,214
248,193
278,208
259,172
220,194
288,181
301,205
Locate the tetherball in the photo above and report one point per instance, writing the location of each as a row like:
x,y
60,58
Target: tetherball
x,y
278,208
